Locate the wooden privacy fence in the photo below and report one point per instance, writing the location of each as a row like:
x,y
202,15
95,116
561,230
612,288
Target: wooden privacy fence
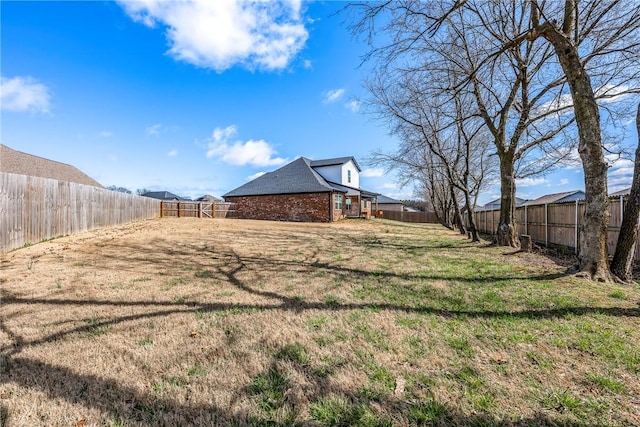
x,y
428,217
33,209
189,209
555,224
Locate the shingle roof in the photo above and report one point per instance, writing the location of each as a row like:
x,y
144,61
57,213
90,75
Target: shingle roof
x,y
13,161
557,197
208,198
496,204
295,177
334,161
162,195
388,200
623,192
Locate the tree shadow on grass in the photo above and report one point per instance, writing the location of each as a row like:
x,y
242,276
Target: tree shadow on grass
x,y
228,266
199,258
131,406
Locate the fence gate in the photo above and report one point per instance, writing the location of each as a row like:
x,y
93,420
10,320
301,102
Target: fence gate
x,y
189,209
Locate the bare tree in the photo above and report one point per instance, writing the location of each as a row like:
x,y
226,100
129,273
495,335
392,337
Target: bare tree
x,y
516,92
622,262
437,137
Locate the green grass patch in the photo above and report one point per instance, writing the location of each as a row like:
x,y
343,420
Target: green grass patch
x,y
339,411
295,352
268,389
96,327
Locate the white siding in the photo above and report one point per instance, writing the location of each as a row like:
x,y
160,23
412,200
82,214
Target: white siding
x,y
355,175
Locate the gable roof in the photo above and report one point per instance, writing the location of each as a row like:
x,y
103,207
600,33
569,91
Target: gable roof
x,y
388,200
567,196
17,162
208,198
334,161
162,195
295,177
519,202
623,192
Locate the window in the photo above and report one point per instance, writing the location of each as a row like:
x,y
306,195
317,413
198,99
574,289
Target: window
x,y
348,203
349,176
338,201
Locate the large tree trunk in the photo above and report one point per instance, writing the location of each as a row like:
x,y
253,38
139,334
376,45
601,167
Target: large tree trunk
x,y
506,234
622,262
593,242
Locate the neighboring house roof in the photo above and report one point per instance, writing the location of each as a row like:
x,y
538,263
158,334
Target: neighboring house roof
x,y
17,162
208,198
334,161
295,177
567,196
496,202
624,192
388,200
162,195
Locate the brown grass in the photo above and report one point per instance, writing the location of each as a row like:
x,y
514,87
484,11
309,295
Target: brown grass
x,y
201,322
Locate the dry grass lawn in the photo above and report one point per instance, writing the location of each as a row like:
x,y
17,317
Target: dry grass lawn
x,y
230,322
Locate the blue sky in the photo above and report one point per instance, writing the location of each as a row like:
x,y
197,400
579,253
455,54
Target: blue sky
x,y
196,98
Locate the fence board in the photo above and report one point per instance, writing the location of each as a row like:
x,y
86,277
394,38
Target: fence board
x,y
33,209
416,217
555,224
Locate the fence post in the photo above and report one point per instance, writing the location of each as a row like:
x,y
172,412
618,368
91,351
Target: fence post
x,y
526,221
546,225
162,208
576,229
178,209
200,210
621,208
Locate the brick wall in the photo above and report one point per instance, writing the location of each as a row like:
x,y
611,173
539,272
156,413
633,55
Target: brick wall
x,y
310,207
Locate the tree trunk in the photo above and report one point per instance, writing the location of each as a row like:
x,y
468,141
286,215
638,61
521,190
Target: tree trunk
x,y
457,216
475,236
622,263
506,234
593,242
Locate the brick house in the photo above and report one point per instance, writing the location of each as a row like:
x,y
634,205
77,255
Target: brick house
x,y
305,190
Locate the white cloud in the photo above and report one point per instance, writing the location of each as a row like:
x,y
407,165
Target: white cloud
x,y
24,94
155,129
333,95
105,134
563,181
609,93
255,175
371,173
606,94
222,33
307,64
258,153
172,153
353,105
530,182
